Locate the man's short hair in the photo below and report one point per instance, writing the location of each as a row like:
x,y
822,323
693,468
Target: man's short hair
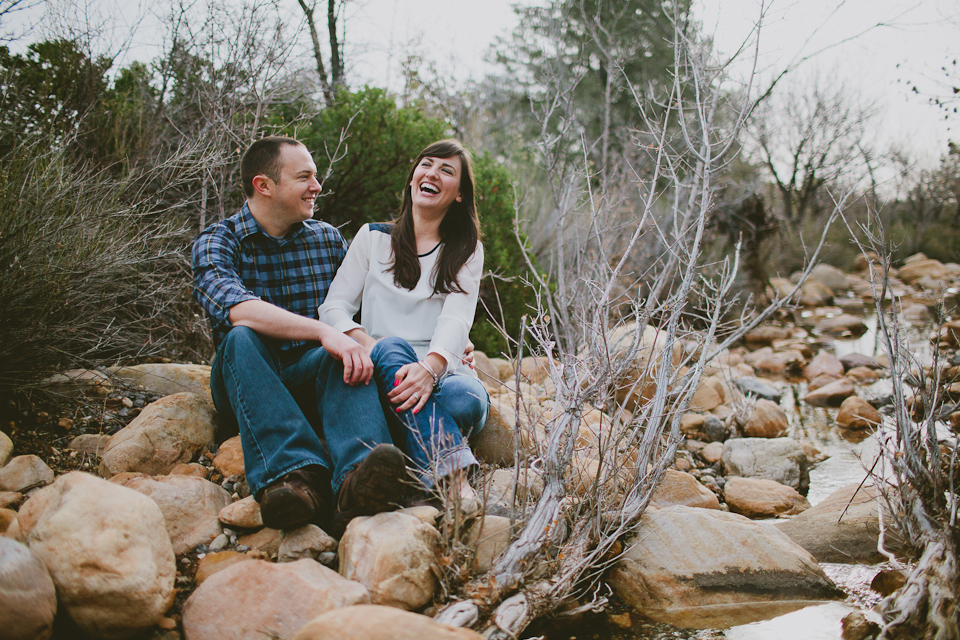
x,y
262,158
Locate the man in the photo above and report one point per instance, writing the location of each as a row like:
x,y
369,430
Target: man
x,y
280,375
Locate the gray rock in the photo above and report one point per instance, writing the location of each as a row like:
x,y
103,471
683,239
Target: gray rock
x,y
715,429
28,600
759,388
779,459
854,360
309,541
93,444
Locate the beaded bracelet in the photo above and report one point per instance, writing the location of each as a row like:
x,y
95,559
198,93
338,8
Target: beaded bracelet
x,y
433,374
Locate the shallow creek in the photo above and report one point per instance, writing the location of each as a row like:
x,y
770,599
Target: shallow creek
x,y
845,465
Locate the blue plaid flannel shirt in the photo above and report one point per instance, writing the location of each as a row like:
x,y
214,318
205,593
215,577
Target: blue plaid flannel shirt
x,y
234,260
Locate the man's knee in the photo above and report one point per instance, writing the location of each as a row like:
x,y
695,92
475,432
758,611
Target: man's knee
x,y
241,338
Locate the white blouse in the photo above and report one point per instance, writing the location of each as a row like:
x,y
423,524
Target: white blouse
x,y
431,323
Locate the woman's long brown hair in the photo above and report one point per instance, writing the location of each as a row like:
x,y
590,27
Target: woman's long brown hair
x,y
459,230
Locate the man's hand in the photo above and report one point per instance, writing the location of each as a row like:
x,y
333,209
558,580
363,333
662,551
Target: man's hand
x,y
357,366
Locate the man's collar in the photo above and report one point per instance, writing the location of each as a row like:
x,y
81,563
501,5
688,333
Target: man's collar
x,y
247,225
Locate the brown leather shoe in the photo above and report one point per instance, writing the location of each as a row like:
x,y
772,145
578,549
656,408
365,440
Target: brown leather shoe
x,y
300,497
376,484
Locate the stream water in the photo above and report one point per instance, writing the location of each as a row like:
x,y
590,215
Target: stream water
x,y
843,466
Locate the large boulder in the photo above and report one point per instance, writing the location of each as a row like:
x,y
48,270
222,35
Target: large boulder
x,y
830,276
845,527
107,550
259,599
375,622
759,498
190,506
167,432
6,448
766,420
394,555
24,473
166,379
779,459
28,600
917,269
700,568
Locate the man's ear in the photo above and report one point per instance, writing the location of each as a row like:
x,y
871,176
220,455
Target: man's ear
x,y
263,185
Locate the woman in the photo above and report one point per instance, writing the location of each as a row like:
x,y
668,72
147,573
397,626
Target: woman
x,y
416,283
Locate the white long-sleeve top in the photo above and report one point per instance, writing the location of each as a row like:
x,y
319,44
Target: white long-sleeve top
x,y
431,323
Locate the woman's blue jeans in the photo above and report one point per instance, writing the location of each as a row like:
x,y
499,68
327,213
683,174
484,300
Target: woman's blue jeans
x,y
283,401
435,437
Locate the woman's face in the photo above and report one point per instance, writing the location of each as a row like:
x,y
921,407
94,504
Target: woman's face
x,y
436,183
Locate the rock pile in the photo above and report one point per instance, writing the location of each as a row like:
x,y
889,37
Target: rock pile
x,y
176,514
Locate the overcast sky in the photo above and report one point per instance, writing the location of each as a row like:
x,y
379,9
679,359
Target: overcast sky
x,y
857,42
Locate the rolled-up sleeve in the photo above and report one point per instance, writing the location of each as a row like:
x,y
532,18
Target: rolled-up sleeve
x,y
453,325
216,279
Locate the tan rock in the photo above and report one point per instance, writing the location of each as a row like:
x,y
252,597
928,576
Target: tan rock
x,y
77,383
780,459
766,420
92,444
701,568
24,473
691,425
229,459
709,395
249,599
394,556
107,550
712,452
194,469
857,413
534,369
765,335
374,622
309,541
831,277
6,448
841,325
487,371
10,499
843,528
815,294
831,395
679,488
759,498
501,483
7,516
823,363
913,271
265,540
863,375
28,600
217,561
495,444
169,431
189,505
243,514
166,379
488,536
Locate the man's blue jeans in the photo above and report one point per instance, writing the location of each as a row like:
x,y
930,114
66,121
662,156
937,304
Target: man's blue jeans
x,y
277,398
435,438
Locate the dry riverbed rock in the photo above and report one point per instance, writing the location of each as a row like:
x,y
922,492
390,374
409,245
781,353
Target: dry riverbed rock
x,y
6,448
166,379
107,550
24,473
167,432
28,600
766,420
256,598
700,568
374,622
190,506
394,556
779,459
849,539
759,498
680,488
831,395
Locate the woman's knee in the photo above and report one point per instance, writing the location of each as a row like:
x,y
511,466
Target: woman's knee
x,y
391,347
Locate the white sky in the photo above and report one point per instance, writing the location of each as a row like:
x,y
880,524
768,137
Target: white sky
x,y
918,35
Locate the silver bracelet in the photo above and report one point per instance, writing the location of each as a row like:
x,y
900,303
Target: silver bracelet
x,y
433,374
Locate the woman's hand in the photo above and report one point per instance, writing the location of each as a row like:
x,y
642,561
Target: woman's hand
x,y
412,387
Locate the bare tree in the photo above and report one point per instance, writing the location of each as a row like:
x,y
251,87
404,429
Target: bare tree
x,y
636,356
811,135
334,81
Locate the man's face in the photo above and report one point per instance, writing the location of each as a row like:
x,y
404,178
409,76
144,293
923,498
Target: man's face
x,y
294,196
